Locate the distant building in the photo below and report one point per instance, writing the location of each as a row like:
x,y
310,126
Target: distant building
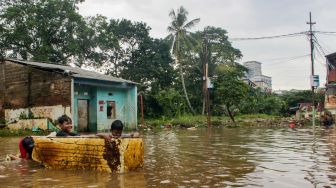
x,y
254,74
280,92
249,82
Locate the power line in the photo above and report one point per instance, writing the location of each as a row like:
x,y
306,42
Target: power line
x,y
287,61
322,53
284,58
268,37
325,32
326,47
319,46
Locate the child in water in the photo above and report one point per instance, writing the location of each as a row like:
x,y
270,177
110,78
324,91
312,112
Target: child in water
x,y
116,131
26,146
65,123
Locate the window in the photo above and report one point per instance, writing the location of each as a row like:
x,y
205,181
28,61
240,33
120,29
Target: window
x,y
111,110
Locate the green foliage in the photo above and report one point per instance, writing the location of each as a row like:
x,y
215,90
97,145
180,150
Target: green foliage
x,y
263,103
230,90
171,102
42,30
22,132
181,38
3,121
293,98
257,116
29,115
150,65
54,31
219,51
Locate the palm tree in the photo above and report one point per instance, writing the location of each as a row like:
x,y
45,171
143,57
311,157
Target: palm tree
x,y
180,35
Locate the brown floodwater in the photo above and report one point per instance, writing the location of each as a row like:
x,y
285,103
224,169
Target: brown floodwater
x,y
217,157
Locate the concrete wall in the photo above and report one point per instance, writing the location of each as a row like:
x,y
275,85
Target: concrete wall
x,y
23,86
29,124
52,112
254,68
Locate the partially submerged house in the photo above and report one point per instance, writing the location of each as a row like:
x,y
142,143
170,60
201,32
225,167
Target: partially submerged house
x,y
304,110
330,94
45,90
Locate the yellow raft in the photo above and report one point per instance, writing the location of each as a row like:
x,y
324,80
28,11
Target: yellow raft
x,y
89,153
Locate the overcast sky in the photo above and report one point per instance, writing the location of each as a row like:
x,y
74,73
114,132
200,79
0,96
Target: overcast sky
x,y
286,60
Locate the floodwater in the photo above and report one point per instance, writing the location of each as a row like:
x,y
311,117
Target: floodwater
x,y
217,157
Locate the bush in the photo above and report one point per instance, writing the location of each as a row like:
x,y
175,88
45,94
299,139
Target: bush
x,y
22,132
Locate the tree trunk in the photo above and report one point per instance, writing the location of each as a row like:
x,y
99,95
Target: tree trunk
x,y
203,106
182,78
231,115
177,61
185,90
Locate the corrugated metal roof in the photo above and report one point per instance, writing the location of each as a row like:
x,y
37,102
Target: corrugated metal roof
x,y
75,72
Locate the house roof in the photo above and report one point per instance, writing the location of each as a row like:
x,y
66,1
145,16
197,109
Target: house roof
x,y
75,72
331,58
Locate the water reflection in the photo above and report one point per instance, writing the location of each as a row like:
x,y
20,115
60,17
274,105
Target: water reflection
x,y
199,158
202,158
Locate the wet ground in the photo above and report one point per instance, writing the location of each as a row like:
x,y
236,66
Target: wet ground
x,y
217,157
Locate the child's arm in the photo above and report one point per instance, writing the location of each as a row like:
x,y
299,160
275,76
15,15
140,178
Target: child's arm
x,y
107,137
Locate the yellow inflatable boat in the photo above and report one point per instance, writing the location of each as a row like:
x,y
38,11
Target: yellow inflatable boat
x,y
89,153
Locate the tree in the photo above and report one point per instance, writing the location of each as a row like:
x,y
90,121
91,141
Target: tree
x,y
181,36
150,65
219,51
171,102
230,90
117,41
43,30
258,101
293,98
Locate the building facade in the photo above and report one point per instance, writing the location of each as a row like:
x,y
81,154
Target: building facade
x,y
330,93
254,74
43,90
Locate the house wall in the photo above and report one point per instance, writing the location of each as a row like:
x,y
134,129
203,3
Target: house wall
x,y
122,107
125,100
24,87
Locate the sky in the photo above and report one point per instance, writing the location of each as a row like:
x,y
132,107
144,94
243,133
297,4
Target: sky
x,y
286,59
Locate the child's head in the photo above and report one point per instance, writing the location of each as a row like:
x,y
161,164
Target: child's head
x,y
65,123
28,145
116,128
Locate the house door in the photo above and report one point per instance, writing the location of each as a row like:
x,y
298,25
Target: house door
x,y
83,115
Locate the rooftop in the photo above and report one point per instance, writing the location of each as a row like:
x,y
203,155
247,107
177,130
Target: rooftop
x,y
75,72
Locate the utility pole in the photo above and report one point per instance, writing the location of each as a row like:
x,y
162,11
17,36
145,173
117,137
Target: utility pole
x,y
312,65
206,78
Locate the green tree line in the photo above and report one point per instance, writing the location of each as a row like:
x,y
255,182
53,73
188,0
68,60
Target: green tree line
x,y
170,70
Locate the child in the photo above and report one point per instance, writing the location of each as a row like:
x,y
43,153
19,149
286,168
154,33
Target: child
x,y
116,131
26,146
65,124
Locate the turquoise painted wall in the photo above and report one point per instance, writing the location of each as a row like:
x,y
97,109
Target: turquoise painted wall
x,y
124,95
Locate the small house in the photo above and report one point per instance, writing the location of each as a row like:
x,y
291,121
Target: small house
x,y
36,90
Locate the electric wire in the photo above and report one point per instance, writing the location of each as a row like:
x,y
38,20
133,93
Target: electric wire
x,y
287,61
326,32
283,58
268,37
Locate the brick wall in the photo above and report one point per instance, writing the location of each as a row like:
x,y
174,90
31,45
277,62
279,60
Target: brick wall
x,y
23,86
